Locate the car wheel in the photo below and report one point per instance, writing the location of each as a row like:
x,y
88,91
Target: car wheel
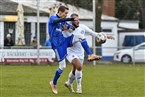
x,y
126,59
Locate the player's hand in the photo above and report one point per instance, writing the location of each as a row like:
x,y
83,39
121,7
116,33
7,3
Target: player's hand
x,y
70,30
64,27
110,37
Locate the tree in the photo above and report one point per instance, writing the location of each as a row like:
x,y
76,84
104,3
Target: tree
x,y
131,10
87,4
98,7
125,9
98,14
141,11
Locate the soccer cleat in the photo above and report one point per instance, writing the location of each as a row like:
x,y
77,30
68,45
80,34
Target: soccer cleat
x,y
79,90
94,57
53,87
70,87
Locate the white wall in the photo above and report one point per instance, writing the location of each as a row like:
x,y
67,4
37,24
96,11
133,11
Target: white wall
x,y
110,46
129,24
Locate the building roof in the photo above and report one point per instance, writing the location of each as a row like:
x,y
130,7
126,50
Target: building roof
x,y
46,4
8,7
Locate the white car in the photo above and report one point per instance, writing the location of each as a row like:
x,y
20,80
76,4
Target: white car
x,y
134,54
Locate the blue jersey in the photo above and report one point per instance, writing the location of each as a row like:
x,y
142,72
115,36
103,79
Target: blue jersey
x,y
55,31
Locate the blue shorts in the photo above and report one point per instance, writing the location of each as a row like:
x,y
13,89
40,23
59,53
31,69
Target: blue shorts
x,y
61,51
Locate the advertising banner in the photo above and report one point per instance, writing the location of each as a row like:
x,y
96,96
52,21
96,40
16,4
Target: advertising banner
x,y
26,56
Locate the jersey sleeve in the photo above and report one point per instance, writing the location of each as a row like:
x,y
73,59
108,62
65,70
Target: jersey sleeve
x,y
90,31
58,20
52,18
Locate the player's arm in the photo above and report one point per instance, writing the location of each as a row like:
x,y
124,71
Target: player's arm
x,y
62,20
54,19
110,37
69,27
94,34
90,31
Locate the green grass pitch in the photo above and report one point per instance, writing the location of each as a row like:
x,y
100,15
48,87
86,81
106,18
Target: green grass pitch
x,y
98,81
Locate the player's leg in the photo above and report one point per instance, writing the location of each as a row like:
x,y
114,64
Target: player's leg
x,y
78,75
71,78
76,72
79,38
76,66
62,65
84,44
74,60
60,54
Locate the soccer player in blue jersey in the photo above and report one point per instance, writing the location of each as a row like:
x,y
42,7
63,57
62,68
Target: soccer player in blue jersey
x,y
60,43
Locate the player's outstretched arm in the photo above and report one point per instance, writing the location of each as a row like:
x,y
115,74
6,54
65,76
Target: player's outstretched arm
x,y
63,20
89,31
110,37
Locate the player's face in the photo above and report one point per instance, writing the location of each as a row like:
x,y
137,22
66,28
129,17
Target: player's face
x,y
63,14
76,22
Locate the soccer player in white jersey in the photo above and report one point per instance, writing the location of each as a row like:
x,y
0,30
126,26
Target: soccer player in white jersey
x,y
76,54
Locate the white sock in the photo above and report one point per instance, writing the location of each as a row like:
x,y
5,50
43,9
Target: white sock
x,y
78,76
71,78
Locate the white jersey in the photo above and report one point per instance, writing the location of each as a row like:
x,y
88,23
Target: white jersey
x,y
77,48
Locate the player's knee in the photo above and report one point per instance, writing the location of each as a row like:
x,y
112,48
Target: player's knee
x,y
77,64
63,67
62,64
79,67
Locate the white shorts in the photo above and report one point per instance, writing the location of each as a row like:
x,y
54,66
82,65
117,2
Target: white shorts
x,y
72,56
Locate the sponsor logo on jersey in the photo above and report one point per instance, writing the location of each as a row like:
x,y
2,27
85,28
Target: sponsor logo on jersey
x,y
58,29
82,32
